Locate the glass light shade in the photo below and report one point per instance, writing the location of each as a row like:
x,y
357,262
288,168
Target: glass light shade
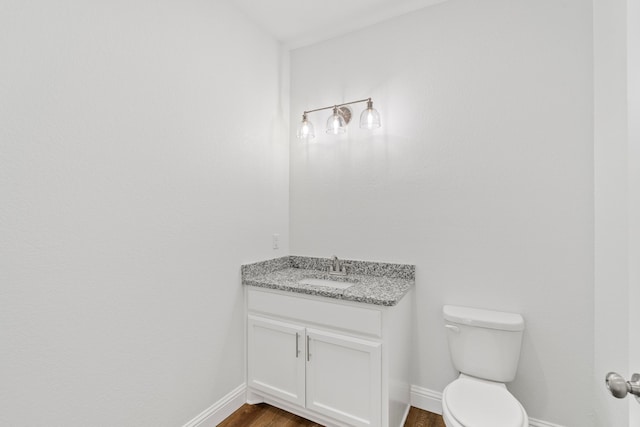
x,y
370,118
336,123
305,129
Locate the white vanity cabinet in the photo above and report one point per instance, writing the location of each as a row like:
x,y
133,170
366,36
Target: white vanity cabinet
x,y
335,362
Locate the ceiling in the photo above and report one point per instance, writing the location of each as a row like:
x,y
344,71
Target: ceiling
x,y
297,23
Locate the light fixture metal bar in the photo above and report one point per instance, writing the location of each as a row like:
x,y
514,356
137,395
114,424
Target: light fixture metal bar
x,y
338,105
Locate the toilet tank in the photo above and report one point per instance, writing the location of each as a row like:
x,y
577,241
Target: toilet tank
x,y
484,343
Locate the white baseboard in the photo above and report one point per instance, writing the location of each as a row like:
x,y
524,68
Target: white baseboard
x,y
421,398
216,413
429,400
405,416
425,399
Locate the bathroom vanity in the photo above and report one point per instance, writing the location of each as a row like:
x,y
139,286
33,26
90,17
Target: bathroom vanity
x,y
336,354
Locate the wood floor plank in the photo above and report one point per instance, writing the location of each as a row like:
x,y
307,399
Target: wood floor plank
x,y
271,417
420,418
245,416
263,415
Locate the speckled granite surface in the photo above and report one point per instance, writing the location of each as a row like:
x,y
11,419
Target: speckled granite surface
x,y
373,282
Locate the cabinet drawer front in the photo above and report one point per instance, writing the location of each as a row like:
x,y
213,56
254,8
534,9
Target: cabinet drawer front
x,y
335,315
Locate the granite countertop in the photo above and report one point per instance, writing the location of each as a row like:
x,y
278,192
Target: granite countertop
x,y
373,282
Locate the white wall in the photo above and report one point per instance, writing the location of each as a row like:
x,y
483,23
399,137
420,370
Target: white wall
x,y
142,160
482,176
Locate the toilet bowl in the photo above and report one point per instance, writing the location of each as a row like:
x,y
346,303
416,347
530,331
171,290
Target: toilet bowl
x,y
473,402
485,348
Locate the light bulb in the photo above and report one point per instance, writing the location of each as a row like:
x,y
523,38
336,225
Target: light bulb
x,y
305,129
336,123
370,118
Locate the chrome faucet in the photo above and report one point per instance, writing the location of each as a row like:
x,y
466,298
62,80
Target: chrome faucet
x,y
338,267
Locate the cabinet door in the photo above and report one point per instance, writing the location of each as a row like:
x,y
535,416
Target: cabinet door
x,y
343,378
276,363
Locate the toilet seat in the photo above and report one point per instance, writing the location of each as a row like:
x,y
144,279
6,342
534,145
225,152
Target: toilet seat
x,y
472,402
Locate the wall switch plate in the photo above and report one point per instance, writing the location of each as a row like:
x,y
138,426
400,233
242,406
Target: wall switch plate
x,y
275,241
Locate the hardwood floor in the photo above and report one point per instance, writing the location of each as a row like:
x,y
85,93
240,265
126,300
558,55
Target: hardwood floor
x,y
263,415
419,418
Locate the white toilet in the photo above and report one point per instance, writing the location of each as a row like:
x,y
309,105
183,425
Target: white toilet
x,y
485,348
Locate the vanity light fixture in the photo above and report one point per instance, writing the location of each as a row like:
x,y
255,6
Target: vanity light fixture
x,y
339,119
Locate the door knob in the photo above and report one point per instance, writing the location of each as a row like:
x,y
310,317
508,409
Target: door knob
x,y
619,387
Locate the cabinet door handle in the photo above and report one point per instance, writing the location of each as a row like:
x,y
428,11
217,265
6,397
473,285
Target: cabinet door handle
x,y
308,351
297,346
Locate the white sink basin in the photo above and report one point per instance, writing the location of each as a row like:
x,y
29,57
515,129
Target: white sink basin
x,y
326,282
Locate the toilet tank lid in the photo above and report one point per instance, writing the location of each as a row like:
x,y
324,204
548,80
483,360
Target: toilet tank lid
x,y
483,318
